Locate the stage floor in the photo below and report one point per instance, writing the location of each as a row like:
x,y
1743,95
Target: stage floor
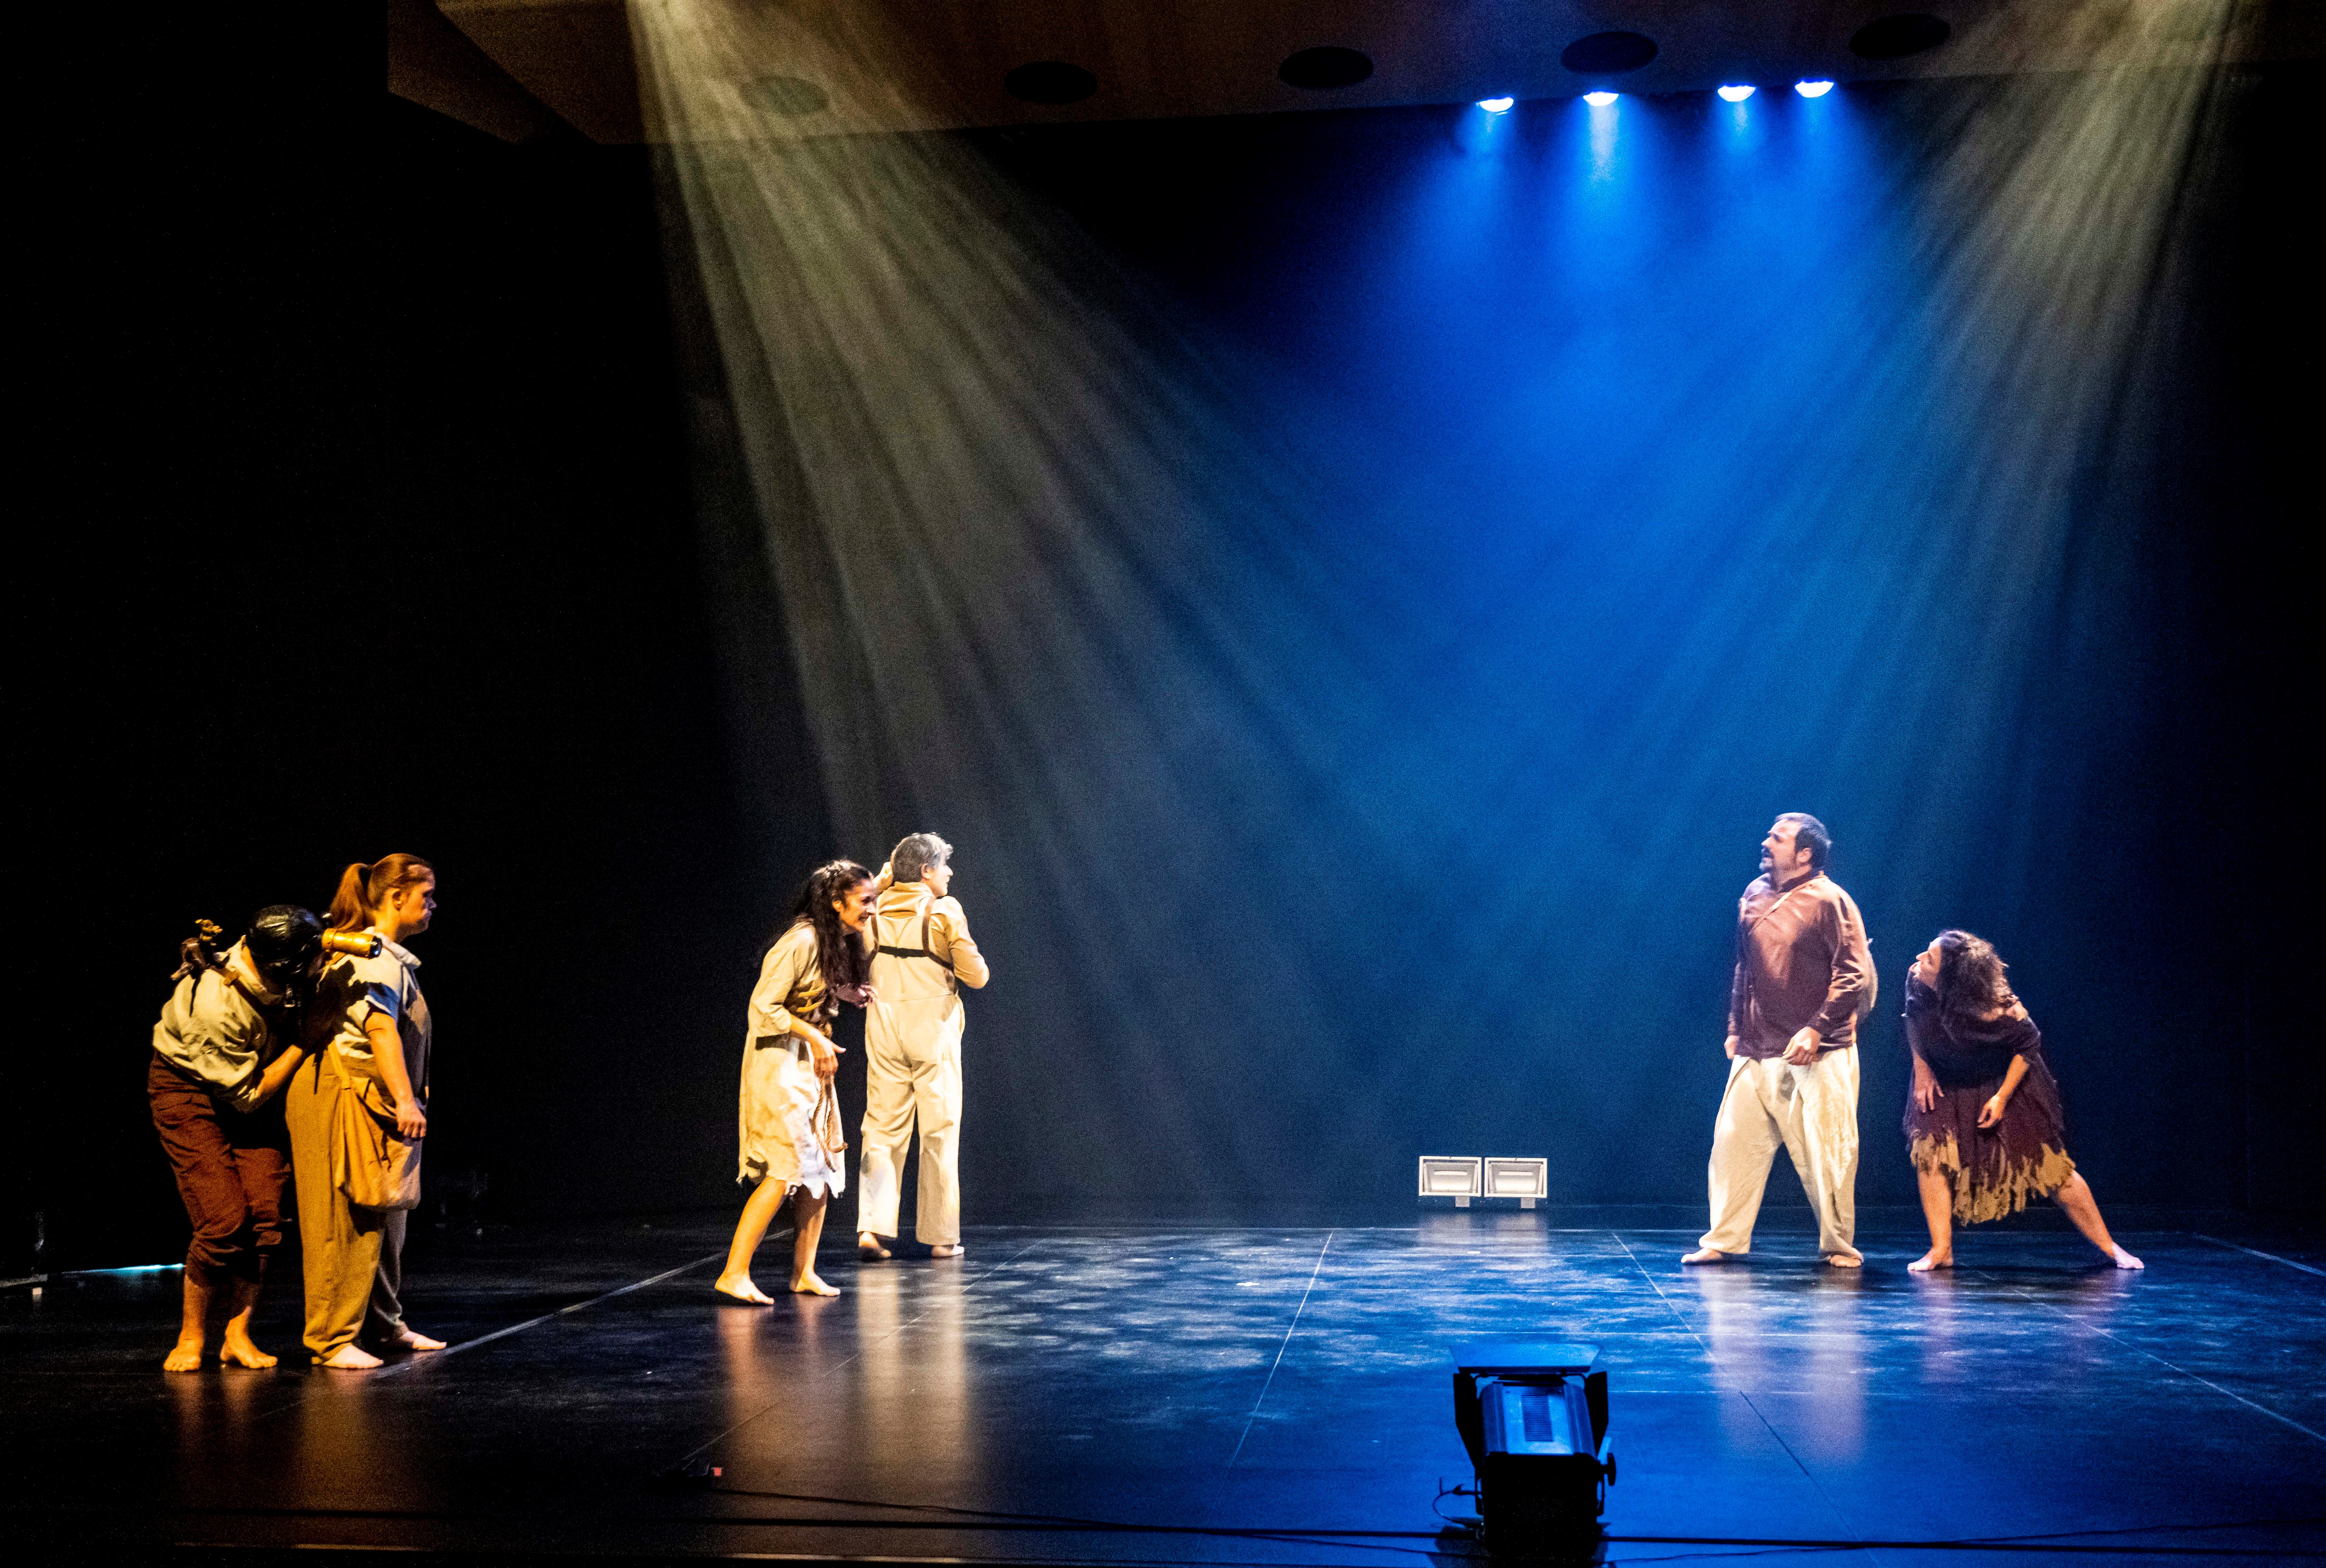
x,y
1187,1394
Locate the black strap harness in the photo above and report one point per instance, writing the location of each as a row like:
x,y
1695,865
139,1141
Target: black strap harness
x,y
921,951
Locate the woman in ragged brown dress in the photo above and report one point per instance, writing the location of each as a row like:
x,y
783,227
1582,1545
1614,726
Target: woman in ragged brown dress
x,y
1982,1120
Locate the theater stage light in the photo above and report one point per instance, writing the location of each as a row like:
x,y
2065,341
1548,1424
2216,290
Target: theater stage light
x,y
1813,89
1735,93
1460,1177
1496,105
1527,1180
1599,100
1534,1417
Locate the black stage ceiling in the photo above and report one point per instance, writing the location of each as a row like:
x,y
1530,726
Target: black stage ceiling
x,y
1205,1394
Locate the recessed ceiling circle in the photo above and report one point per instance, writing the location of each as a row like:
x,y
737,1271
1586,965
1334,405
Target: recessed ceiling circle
x,y
1051,82
1896,37
1325,67
1608,53
786,95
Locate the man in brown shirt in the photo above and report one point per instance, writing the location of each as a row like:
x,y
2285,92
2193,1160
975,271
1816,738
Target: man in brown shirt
x,y
1804,977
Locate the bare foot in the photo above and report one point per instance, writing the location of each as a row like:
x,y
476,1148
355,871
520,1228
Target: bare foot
x,y
2124,1259
185,1356
1931,1262
1706,1255
1846,1260
238,1352
812,1284
947,1249
869,1249
414,1339
739,1288
349,1358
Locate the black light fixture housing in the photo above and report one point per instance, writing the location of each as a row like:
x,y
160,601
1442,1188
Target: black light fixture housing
x,y
1534,1417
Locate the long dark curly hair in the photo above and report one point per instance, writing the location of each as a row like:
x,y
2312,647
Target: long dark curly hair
x,y
843,960
1972,990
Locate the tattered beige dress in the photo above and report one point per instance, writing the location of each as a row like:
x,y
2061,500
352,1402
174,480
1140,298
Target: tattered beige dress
x,y
783,1138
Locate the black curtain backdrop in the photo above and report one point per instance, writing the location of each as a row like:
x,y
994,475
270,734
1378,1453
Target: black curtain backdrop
x,y
376,528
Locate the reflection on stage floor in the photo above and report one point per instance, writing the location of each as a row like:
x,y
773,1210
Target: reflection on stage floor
x,y
1200,1395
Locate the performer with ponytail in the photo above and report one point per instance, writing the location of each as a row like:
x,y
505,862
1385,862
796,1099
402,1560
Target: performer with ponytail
x,y
370,1024
788,1121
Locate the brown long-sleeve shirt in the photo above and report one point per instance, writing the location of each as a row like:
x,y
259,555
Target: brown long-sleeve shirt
x,y
1803,962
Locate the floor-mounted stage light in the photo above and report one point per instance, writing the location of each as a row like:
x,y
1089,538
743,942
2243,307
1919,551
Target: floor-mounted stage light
x,y
1534,1417
1813,89
1599,100
1528,1181
1734,93
1456,1176
1496,105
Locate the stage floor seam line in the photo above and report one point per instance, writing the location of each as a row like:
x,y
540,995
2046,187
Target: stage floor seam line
x,y
309,1384
1742,1393
967,1286
1289,1330
2256,1252
2135,1350
438,1358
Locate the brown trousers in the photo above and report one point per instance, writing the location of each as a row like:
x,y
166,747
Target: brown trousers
x,y
230,1167
353,1257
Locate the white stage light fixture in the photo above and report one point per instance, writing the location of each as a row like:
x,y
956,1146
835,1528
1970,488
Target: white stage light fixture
x,y
1496,105
1460,1177
1736,93
1813,89
1600,100
1534,1417
1528,1181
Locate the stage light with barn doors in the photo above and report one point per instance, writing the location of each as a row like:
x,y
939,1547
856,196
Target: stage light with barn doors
x,y
1456,1176
1534,1417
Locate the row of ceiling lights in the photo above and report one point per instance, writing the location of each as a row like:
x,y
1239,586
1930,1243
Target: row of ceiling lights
x,y
1599,54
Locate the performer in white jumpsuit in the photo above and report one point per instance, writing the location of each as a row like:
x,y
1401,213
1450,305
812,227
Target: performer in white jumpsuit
x,y
921,956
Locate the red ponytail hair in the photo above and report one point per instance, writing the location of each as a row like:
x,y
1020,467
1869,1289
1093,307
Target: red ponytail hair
x,y
364,888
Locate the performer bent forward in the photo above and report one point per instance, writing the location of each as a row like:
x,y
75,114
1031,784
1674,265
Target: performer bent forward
x,y
1803,976
221,1055
921,956
1982,1120
788,1121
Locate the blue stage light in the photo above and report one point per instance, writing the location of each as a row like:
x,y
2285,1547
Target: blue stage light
x,y
1599,100
1813,89
1495,106
1736,94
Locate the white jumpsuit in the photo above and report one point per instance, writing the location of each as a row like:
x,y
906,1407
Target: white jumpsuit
x,y
922,955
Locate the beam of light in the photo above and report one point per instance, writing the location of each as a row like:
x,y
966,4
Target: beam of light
x,y
1813,89
1244,747
1495,106
1736,94
1599,100
1047,588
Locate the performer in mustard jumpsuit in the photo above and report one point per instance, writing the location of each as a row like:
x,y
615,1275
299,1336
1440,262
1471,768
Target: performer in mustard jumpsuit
x,y
921,956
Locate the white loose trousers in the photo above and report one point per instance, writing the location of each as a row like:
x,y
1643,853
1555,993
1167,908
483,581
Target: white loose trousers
x,y
1813,1112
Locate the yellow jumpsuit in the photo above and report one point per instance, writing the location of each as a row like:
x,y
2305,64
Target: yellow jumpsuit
x,y
922,955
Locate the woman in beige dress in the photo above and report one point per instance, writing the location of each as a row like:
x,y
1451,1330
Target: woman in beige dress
x,y
788,1121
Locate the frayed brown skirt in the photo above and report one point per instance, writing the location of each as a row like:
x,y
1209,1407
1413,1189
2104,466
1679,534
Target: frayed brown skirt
x,y
1994,1170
